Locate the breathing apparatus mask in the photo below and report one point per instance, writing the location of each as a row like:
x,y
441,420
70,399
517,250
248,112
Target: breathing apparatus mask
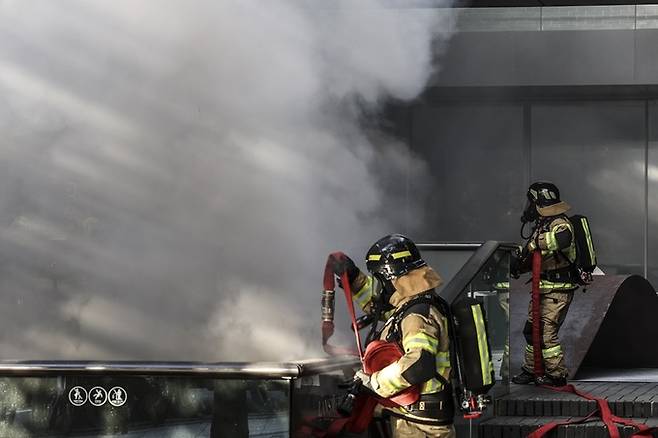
x,y
530,213
382,289
536,194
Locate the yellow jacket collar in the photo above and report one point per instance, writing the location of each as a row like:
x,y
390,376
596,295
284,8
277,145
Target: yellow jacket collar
x,y
414,283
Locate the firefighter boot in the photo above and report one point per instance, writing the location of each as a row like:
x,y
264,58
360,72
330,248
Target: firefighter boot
x,y
525,378
549,380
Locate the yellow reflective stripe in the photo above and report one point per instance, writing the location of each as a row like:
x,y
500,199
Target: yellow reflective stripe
x,y
590,244
547,353
552,352
502,285
545,284
399,255
442,359
485,359
445,372
364,295
374,257
432,385
421,341
551,241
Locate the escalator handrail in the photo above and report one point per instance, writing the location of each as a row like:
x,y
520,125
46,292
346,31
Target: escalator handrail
x,y
473,265
232,370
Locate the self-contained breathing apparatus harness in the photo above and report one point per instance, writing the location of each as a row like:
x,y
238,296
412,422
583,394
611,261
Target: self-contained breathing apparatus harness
x,y
579,271
399,253
397,256
443,400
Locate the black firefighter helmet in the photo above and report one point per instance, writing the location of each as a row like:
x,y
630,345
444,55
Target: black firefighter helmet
x,y
393,256
543,200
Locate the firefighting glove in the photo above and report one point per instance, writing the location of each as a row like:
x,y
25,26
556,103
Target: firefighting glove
x,y
342,263
365,382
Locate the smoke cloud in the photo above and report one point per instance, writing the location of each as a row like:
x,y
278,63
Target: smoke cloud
x,y
174,173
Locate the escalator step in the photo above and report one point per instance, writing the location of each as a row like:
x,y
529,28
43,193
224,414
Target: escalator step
x,y
625,400
521,426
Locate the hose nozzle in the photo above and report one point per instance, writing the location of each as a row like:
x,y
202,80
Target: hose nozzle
x,y
328,305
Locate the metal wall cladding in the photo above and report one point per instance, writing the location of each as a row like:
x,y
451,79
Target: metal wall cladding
x,y
595,153
558,58
482,157
446,263
652,269
475,153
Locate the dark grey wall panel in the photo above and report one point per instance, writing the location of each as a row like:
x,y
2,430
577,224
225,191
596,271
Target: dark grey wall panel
x,y
480,58
652,203
546,58
647,57
595,153
476,157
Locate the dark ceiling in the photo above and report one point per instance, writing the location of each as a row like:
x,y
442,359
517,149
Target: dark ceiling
x,y
508,3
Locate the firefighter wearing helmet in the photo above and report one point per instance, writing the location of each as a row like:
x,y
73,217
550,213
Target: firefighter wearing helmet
x,y
398,275
553,235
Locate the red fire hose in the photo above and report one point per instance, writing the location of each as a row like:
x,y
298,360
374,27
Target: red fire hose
x,y
603,410
328,306
377,356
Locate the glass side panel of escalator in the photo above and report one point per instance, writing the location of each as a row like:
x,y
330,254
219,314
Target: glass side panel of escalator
x,y
143,406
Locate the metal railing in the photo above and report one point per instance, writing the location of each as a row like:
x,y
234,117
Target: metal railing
x,y
229,370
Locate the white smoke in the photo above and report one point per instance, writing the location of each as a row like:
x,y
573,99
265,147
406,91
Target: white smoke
x,y
174,172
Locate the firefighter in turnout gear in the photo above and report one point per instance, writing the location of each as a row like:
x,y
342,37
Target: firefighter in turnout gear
x,y
553,235
398,275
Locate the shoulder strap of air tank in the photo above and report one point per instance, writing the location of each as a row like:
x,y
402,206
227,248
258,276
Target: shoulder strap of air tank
x,y
396,319
572,264
431,298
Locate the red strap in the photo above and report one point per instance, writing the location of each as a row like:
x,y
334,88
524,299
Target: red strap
x,y
350,307
546,428
603,411
364,407
536,314
364,404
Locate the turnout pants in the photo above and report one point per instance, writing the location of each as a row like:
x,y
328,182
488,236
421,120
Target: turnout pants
x,y
401,428
553,308
503,301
